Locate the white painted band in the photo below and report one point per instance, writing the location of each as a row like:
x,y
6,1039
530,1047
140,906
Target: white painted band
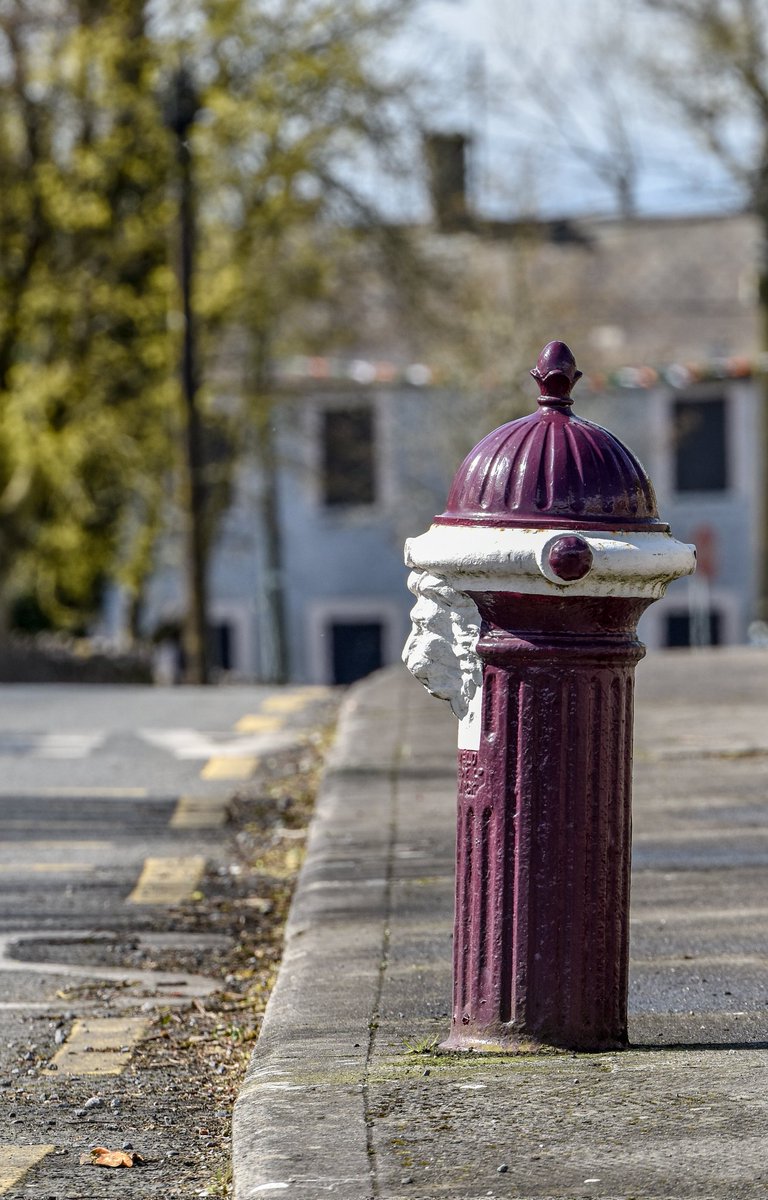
x,y
471,723
487,558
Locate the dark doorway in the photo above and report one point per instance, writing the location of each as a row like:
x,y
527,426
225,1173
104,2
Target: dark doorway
x,y
679,628
222,645
356,649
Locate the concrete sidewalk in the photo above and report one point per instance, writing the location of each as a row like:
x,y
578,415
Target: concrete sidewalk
x,y
342,1098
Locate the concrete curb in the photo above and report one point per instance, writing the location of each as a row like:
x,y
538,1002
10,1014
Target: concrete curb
x,y
319,1020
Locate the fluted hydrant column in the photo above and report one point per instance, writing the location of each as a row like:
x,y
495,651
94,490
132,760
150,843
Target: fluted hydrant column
x,y
529,588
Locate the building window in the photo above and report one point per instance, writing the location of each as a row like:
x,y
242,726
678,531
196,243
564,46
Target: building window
x,y
348,456
700,629
446,155
356,649
701,459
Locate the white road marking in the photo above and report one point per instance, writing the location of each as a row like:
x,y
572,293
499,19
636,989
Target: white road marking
x,y
68,745
50,745
165,984
187,744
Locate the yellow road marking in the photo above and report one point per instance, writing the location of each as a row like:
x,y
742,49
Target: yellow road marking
x,y
15,1161
8,824
45,868
135,793
71,843
287,704
99,1046
168,880
199,812
256,723
222,767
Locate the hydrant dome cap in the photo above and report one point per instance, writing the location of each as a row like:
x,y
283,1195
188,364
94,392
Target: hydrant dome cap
x,y
551,468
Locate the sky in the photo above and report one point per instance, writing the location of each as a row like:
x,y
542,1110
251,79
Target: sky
x,y
535,83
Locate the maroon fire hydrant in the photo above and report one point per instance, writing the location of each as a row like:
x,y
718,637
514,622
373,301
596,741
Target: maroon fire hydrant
x,y
529,588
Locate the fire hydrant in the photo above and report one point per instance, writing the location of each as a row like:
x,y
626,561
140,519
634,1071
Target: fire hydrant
x,y
529,588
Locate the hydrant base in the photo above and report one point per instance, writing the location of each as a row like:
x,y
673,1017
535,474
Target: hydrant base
x,y
520,1043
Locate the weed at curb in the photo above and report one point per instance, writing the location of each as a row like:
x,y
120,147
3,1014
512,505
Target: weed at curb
x,y
426,1045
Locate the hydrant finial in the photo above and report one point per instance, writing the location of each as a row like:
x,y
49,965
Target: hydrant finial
x,y
556,373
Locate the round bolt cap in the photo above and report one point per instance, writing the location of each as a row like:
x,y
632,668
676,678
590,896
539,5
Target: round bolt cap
x,y
570,558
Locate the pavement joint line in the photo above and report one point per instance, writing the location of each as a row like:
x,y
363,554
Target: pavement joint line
x,y
17,1161
671,916
692,834
98,1046
384,956
200,812
168,880
704,960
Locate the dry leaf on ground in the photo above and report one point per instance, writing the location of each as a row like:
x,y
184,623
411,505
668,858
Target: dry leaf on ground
x,y
100,1156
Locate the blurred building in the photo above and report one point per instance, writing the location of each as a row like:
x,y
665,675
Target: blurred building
x,y
661,315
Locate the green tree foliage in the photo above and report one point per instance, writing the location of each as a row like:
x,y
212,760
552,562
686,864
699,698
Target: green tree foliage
x,y
291,113
288,118
86,407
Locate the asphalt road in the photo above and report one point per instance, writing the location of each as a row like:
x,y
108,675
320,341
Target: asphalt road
x,y
113,804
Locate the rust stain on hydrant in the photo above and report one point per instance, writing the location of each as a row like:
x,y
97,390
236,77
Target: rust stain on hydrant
x,y
529,589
